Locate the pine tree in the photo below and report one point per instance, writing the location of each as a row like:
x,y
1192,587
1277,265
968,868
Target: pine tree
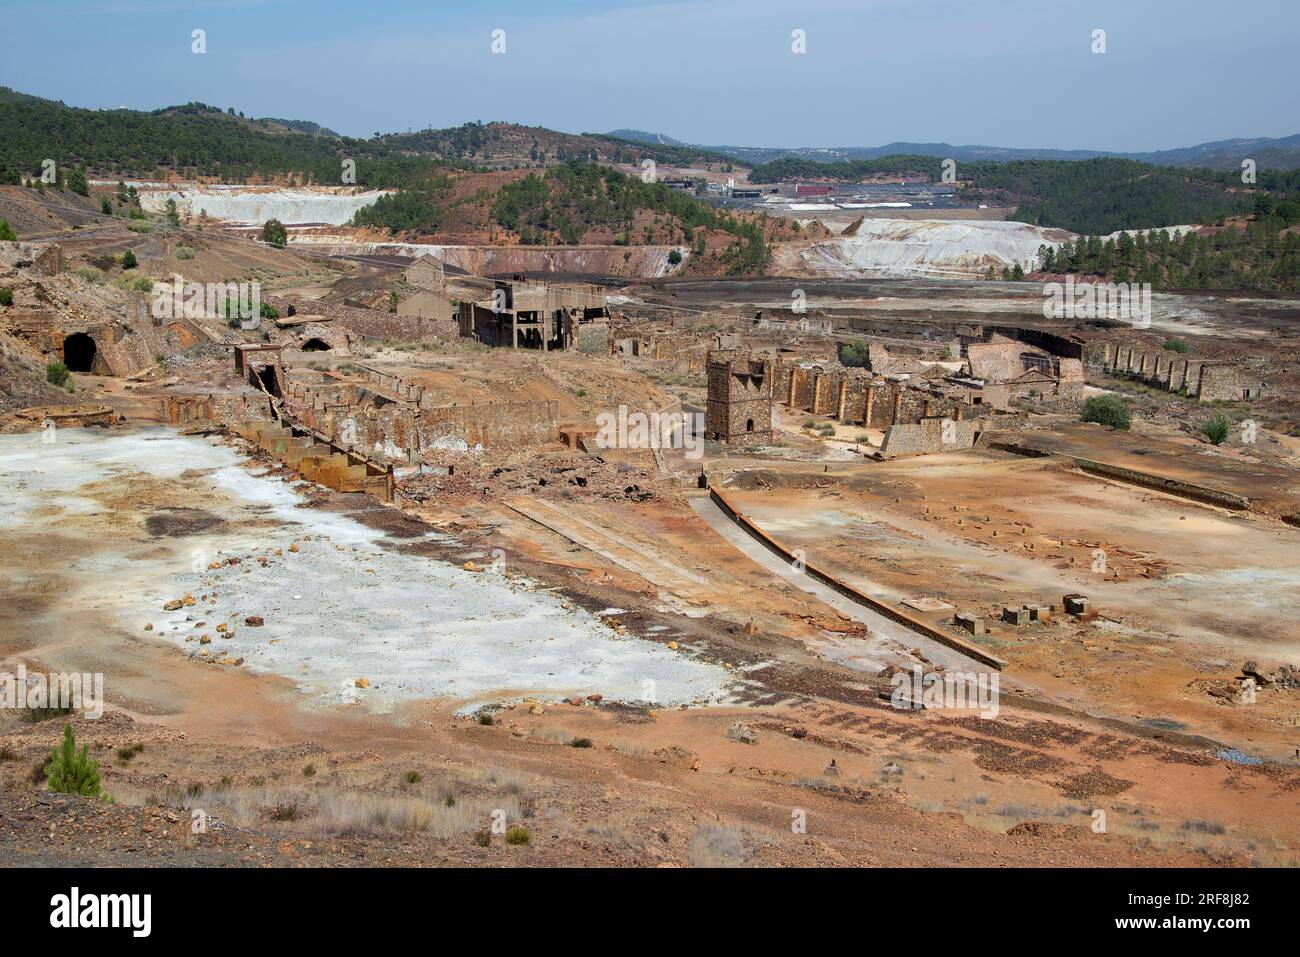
x,y
70,772
77,182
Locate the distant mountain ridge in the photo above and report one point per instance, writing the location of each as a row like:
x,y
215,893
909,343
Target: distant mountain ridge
x,y
1267,152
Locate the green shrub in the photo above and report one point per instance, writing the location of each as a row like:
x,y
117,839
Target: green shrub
x,y
71,772
7,233
6,296
412,777
674,257
1216,428
518,834
140,227
56,374
274,233
581,743
1108,410
124,755
1176,345
854,354
128,260
184,252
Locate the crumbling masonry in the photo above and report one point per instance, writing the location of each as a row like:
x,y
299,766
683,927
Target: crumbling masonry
x,y
739,408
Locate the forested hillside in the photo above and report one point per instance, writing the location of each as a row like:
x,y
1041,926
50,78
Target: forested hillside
x,y
196,140
1083,196
580,202
1261,251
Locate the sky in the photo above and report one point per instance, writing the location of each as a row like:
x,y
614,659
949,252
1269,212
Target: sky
x,y
1012,73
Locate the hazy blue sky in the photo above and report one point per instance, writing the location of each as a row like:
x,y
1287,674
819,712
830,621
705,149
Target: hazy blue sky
x,y
1001,72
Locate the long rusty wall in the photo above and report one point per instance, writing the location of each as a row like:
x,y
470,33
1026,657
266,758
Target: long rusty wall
x,y
848,591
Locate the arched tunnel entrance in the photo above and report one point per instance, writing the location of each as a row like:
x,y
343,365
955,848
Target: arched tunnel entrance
x,y
315,345
79,351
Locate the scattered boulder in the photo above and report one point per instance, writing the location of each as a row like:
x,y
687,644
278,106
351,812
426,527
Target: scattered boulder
x,y
743,733
254,621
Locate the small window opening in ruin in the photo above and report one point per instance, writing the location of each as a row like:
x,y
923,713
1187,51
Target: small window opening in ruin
x,y
749,425
315,345
79,352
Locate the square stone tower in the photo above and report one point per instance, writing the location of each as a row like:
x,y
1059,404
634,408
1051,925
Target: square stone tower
x,y
739,409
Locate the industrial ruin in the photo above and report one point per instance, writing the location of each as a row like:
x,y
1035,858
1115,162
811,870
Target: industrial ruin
x,y
909,553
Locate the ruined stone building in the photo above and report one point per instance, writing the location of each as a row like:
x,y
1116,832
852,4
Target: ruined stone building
x,y
262,365
523,314
392,417
1005,369
93,329
427,273
429,300
739,408
793,322
685,349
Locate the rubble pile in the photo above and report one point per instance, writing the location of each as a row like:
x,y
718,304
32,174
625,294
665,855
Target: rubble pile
x,y
497,473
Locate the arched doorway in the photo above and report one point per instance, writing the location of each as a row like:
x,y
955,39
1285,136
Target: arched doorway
x,y
315,345
79,351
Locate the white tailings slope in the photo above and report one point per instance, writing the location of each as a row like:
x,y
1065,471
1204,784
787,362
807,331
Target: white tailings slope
x,y
886,248
333,206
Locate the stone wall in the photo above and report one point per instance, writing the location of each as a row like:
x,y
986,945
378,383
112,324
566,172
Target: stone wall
x,y
380,412
929,436
1208,380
